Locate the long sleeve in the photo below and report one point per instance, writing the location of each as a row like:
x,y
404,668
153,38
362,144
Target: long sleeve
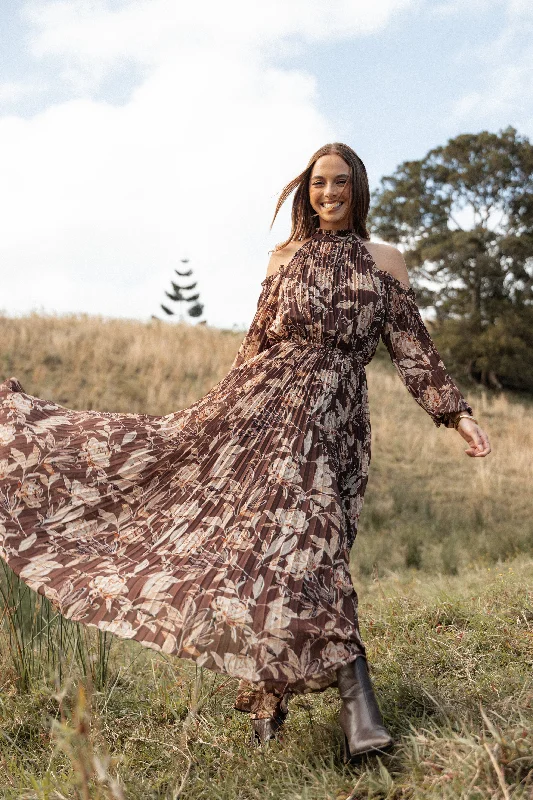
x,y
415,357
256,339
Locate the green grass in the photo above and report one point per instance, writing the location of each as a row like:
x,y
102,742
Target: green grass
x,y
42,644
452,665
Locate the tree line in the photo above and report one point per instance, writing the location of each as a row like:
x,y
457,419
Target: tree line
x,y
463,215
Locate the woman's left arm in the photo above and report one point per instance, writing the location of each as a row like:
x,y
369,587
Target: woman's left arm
x,y
421,369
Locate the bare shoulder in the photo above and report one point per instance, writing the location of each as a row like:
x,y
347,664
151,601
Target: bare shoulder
x,y
283,255
389,259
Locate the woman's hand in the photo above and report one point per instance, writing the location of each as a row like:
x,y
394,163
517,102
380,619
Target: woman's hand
x,y
475,436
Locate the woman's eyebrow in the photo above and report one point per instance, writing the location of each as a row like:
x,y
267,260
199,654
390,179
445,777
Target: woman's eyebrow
x,y
342,175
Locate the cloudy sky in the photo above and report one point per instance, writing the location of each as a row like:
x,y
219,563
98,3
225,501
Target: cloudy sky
x,y
134,133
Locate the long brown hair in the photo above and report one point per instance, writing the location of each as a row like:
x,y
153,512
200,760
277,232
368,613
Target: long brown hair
x,y
303,225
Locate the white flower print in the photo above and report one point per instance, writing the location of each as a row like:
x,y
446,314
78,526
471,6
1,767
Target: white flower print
x,y
335,653
233,611
342,579
292,520
97,452
239,538
37,572
83,493
6,467
121,627
242,666
7,434
304,562
30,493
156,586
285,470
19,403
109,586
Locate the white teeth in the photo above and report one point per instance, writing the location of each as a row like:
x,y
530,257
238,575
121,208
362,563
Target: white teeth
x,y
331,205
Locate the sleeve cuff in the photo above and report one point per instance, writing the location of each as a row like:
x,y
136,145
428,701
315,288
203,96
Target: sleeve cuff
x,y
446,418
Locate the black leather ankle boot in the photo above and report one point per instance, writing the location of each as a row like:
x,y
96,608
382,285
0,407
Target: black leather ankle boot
x,y
360,718
263,730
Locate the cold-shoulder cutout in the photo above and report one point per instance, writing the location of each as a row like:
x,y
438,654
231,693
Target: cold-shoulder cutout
x,y
407,288
397,284
289,262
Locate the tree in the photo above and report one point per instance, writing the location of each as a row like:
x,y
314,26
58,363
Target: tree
x,y
464,214
177,295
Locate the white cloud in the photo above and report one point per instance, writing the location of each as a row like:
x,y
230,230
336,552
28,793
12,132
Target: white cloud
x,y
13,91
99,202
145,28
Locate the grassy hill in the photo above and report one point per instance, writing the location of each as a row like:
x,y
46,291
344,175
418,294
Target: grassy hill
x,y
443,564
427,506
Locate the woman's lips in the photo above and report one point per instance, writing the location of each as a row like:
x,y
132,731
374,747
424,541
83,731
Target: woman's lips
x,y
331,206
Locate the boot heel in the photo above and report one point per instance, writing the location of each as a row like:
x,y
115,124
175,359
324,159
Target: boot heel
x,y
346,755
360,717
358,758
265,730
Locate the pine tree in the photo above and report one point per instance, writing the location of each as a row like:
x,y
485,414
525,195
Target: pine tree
x,y
177,295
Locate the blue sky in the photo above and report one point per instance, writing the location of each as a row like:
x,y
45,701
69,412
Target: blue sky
x,y
394,93
136,132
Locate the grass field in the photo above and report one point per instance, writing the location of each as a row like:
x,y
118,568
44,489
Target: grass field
x,y
443,564
452,664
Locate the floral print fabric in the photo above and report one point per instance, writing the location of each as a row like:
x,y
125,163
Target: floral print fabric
x,y
222,532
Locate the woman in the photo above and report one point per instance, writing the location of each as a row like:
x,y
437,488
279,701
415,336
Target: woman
x,y
222,532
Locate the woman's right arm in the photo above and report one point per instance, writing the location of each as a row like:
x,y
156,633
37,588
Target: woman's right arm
x,y
256,339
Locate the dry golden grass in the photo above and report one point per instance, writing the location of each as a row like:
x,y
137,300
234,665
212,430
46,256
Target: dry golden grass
x,y
426,496
87,362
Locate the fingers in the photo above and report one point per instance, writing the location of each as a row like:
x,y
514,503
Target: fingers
x,y
486,443
477,439
479,444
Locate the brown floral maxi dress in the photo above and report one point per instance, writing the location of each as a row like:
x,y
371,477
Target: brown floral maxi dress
x,y
221,533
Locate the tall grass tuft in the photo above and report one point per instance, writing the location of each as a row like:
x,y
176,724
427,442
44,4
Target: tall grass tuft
x,y
42,644
93,655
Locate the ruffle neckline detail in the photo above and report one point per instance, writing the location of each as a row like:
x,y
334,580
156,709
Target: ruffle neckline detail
x,y
343,232
408,290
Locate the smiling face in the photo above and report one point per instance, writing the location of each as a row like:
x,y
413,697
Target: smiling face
x,y
330,192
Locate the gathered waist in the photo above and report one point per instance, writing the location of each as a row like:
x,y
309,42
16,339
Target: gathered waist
x,y
338,350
